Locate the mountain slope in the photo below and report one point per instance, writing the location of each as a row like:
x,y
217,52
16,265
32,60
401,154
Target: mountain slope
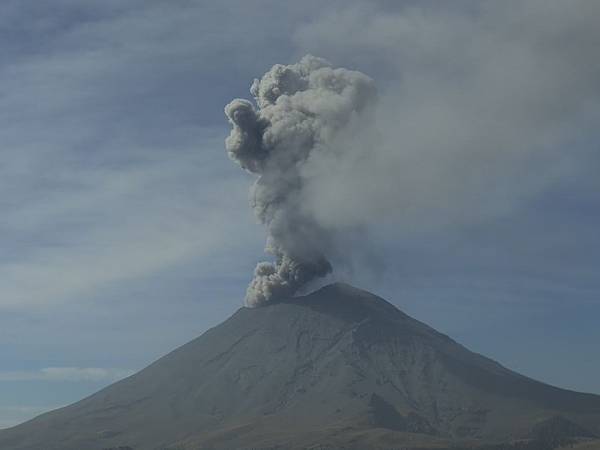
x,y
340,367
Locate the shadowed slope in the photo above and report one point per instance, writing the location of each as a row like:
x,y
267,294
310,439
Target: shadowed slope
x,y
339,366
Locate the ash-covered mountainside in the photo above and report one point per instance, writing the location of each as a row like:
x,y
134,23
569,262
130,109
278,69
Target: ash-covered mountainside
x,y
339,367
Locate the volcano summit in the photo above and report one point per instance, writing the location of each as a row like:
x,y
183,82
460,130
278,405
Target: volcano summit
x,y
339,368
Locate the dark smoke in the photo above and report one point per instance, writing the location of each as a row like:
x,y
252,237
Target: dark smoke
x,y
300,109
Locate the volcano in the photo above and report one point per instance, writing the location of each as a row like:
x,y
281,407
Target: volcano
x,y
338,368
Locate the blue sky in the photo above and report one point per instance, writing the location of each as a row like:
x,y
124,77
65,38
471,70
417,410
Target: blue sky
x,y
126,231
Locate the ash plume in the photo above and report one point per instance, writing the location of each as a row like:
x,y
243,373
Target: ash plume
x,y
300,110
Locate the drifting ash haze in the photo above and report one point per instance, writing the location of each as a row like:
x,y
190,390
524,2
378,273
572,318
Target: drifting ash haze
x,y
301,109
477,118
478,114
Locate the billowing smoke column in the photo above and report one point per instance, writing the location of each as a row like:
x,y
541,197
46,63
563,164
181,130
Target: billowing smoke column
x,y
301,108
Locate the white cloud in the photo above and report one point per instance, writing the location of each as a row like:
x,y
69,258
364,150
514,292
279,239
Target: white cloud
x,y
93,374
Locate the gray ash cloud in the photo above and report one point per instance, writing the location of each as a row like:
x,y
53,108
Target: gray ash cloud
x,y
300,111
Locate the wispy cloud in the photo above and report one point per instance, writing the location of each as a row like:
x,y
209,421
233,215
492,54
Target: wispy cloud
x,y
116,224
72,374
112,170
